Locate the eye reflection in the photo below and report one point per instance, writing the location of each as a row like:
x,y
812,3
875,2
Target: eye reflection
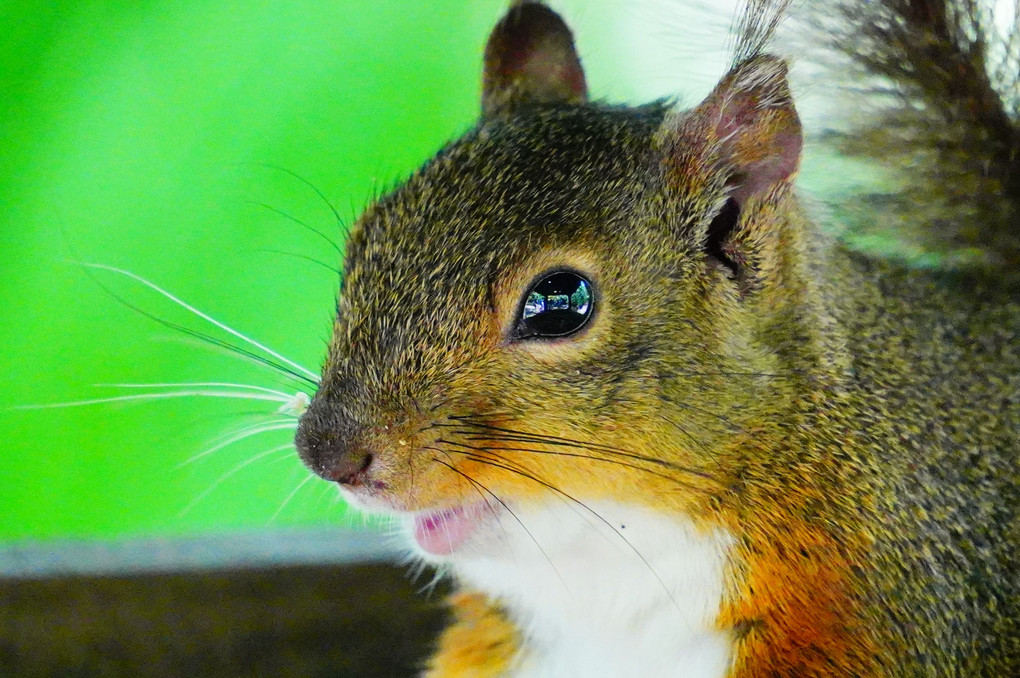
x,y
557,305
534,305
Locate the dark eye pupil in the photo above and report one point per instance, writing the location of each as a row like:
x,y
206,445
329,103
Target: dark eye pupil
x,y
558,305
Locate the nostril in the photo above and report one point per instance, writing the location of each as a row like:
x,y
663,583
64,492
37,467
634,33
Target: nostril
x,y
353,473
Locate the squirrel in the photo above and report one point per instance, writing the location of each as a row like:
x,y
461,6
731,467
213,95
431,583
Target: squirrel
x,y
605,368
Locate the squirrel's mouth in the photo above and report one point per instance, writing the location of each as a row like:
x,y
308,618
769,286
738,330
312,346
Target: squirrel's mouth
x,y
440,532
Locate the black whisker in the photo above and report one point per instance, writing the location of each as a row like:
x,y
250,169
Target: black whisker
x,y
690,436
731,373
322,196
475,483
475,422
583,446
202,336
305,257
508,510
233,348
575,455
721,417
687,434
525,437
565,495
332,243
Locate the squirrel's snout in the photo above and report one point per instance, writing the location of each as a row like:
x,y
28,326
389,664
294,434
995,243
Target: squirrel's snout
x,y
331,449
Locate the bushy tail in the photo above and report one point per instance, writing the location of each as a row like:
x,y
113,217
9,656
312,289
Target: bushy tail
x,y
946,76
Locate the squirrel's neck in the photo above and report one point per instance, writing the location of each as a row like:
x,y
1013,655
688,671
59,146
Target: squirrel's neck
x,y
796,315
793,501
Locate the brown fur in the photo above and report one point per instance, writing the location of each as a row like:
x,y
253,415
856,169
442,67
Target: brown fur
x,y
943,117
853,425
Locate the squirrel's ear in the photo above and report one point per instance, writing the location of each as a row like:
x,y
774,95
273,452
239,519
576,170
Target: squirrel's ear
x,y
751,128
743,142
530,59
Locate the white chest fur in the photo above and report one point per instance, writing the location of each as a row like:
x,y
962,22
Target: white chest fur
x,y
610,591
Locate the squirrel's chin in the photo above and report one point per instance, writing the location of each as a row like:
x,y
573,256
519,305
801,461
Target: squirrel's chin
x,y
441,532
436,532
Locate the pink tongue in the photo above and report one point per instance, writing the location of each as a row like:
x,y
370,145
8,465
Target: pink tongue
x,y
442,532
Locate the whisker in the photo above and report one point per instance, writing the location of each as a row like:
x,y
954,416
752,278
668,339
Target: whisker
x,y
188,307
201,384
475,421
211,343
525,438
329,204
219,481
587,508
522,436
286,215
489,456
289,497
721,417
261,416
305,257
515,517
417,568
328,493
238,436
154,396
476,484
232,349
730,373
577,455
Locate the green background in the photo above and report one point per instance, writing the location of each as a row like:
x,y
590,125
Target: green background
x,y
146,136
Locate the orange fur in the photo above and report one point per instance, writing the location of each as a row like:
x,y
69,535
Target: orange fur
x,y
481,643
794,611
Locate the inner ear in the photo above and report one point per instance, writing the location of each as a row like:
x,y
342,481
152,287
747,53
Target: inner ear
x,y
757,128
719,234
530,59
747,129
747,135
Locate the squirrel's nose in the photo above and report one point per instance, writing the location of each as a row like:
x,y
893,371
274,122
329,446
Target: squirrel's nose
x,y
350,469
331,448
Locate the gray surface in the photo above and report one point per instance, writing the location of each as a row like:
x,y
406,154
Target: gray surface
x,y
37,559
305,603
361,621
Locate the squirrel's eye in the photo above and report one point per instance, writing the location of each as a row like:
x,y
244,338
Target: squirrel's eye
x,y
557,305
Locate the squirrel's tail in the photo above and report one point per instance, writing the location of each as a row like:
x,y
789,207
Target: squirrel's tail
x,y
946,76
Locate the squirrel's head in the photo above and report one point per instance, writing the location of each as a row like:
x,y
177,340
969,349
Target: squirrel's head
x,y
572,299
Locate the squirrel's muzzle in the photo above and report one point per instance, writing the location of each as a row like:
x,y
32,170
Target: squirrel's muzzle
x,y
331,446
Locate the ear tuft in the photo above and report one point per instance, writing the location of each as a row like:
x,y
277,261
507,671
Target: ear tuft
x,y
530,59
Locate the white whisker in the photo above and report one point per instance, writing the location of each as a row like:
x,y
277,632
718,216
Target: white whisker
x,y
219,481
286,459
205,345
204,316
201,384
330,496
295,405
267,422
238,436
289,497
161,396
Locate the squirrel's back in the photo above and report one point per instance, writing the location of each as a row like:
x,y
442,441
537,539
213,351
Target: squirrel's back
x,y
934,392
